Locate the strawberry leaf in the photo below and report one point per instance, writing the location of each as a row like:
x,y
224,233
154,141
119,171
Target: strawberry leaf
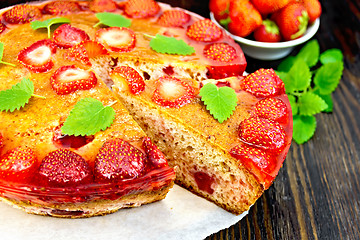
x,y
170,45
310,53
1,55
221,102
328,76
48,23
112,20
88,117
303,128
16,97
331,55
310,104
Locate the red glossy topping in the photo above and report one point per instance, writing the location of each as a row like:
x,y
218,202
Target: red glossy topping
x,y
103,6
204,31
20,14
37,57
64,167
129,78
70,141
116,38
68,79
174,18
155,157
2,27
169,70
67,36
272,108
262,133
263,83
118,160
141,8
204,181
1,142
85,50
172,92
17,164
61,7
221,52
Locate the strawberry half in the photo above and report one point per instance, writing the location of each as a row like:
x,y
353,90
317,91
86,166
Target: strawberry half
x,y
260,163
68,79
20,14
102,6
172,92
61,8
85,50
174,18
273,109
154,155
204,31
37,57
118,159
64,167
263,83
262,133
129,79
141,8
67,36
220,52
118,39
17,164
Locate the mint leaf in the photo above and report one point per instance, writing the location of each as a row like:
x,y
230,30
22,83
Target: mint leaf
x,y
286,64
310,104
329,101
170,45
331,55
48,23
112,20
221,102
293,104
303,128
298,78
16,97
310,53
1,55
328,76
88,117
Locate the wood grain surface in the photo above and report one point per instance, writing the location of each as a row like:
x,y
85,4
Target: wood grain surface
x,y
317,192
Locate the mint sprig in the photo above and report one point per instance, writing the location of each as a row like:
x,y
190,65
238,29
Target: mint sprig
x,y
88,117
112,20
2,54
310,78
48,23
17,96
221,102
170,45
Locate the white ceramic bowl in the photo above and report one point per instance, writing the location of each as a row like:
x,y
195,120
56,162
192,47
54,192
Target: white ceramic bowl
x,y
271,51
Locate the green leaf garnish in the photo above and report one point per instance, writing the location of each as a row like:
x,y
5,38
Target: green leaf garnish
x,y
221,102
16,97
170,45
88,117
112,20
309,86
48,23
1,55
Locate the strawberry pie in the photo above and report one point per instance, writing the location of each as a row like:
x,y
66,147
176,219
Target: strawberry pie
x,y
105,104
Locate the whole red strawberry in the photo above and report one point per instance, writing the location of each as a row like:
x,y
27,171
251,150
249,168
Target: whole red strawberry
x,y
18,164
141,8
118,159
292,21
64,167
313,8
220,52
273,109
267,32
86,50
127,78
204,31
173,18
155,157
269,6
20,14
61,7
244,18
220,8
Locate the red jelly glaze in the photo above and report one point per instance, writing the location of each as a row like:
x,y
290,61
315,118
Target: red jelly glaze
x,y
70,141
169,70
204,181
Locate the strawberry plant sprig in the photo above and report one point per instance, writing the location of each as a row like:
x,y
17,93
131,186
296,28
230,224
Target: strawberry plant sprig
x,y
310,78
48,23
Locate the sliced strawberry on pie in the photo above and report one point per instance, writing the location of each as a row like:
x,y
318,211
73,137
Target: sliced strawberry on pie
x,y
67,36
2,27
204,31
85,50
37,57
61,7
141,8
118,159
18,164
118,39
153,153
172,92
64,167
272,108
68,79
128,78
263,83
1,142
257,161
20,14
262,133
102,6
173,18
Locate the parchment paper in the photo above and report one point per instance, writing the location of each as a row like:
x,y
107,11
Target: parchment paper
x,y
181,215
